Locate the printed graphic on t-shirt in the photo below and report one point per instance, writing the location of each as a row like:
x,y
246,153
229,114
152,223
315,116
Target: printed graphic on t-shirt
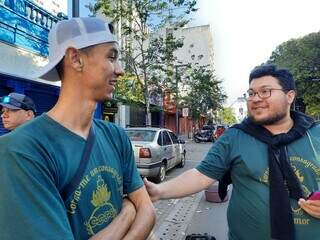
x,y
103,211
299,165
94,197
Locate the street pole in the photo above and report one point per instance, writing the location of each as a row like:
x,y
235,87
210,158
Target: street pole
x,y
75,8
177,113
177,95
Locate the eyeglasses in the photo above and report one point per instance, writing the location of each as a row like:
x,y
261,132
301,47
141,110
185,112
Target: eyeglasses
x,y
263,93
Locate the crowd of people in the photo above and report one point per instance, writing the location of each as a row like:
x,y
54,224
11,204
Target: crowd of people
x,y
66,175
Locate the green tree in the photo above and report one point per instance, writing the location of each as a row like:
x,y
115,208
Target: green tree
x,y
129,89
227,116
146,53
204,94
302,57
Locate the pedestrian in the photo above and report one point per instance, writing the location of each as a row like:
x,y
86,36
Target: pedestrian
x,y
272,159
16,109
67,175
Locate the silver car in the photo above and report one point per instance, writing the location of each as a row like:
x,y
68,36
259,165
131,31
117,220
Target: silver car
x,y
156,150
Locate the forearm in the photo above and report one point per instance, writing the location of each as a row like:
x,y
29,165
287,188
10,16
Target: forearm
x,y
191,181
143,223
118,228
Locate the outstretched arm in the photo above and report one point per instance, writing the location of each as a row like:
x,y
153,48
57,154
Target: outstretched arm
x,y
189,182
145,217
118,228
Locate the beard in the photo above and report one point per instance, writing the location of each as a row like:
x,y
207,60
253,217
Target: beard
x,y
270,120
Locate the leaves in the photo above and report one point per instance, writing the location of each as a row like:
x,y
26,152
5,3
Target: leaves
x,y
204,94
302,57
148,43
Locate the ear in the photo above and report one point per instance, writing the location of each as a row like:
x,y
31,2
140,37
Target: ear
x,y
74,59
30,114
291,95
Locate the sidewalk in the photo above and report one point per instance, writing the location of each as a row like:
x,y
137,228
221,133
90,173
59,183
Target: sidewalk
x,y
210,218
189,215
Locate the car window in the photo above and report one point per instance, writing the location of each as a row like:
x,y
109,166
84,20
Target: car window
x,y
173,138
141,135
166,138
160,139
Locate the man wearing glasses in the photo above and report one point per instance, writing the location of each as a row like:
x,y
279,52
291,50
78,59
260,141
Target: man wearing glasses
x,y
16,109
273,160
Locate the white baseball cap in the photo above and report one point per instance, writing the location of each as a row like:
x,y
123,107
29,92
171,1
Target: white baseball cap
x,y
75,32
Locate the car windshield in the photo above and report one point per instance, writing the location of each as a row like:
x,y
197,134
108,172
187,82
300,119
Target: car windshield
x,y
141,135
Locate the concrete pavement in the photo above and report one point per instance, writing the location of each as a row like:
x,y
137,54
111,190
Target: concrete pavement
x,y
176,218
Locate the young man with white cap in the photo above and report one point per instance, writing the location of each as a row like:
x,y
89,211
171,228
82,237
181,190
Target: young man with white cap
x,y
16,109
65,175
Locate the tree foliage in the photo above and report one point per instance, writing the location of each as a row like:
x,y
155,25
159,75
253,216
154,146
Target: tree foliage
x,y
147,53
302,57
129,89
227,116
204,94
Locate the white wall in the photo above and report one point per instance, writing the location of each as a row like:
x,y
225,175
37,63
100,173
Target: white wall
x,y
53,6
20,62
197,45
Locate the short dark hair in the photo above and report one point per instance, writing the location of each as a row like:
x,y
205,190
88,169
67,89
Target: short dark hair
x,y
284,77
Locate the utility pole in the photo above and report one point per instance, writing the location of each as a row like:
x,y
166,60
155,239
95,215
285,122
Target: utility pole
x,y
75,8
177,95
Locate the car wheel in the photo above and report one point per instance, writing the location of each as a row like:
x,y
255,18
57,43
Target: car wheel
x,y
183,160
162,174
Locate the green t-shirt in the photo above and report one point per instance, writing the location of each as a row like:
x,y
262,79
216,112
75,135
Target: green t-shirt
x,y
40,158
247,157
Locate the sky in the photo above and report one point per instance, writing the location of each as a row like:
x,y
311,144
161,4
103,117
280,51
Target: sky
x,y
245,32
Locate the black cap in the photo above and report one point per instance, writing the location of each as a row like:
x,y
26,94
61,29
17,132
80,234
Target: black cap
x,y
18,101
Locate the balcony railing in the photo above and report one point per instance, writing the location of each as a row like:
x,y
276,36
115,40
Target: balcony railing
x,y
26,25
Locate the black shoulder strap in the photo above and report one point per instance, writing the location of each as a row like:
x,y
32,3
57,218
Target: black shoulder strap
x,y
73,184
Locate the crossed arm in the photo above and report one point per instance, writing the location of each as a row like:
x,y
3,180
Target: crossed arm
x,y
135,220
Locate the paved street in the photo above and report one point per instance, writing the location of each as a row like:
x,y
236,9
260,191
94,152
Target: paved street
x,y
177,218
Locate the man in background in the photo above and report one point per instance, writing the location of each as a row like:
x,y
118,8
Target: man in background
x,y
16,109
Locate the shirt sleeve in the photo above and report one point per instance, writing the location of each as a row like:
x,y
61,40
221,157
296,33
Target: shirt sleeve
x,y
30,205
131,177
219,158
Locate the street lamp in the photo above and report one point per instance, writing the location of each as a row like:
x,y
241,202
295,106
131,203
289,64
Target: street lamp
x,y
75,8
177,93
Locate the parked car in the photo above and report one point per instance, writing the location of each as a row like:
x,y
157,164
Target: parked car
x,y
205,134
219,131
156,150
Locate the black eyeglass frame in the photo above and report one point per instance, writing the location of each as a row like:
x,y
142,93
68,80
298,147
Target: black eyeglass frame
x,y
269,90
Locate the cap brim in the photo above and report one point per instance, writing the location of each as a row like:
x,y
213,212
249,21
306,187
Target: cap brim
x,y
49,72
9,106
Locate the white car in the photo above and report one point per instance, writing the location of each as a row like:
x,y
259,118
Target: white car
x,y
156,150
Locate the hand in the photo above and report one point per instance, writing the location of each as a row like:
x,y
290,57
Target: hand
x,y
312,207
153,190
128,209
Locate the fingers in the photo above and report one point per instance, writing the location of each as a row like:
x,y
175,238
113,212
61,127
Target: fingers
x,y
146,182
312,207
152,190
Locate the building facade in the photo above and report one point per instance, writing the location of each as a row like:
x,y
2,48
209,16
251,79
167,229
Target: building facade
x,y
240,108
53,6
197,46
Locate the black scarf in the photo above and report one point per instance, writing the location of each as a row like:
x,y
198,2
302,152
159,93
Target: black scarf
x,y
283,182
